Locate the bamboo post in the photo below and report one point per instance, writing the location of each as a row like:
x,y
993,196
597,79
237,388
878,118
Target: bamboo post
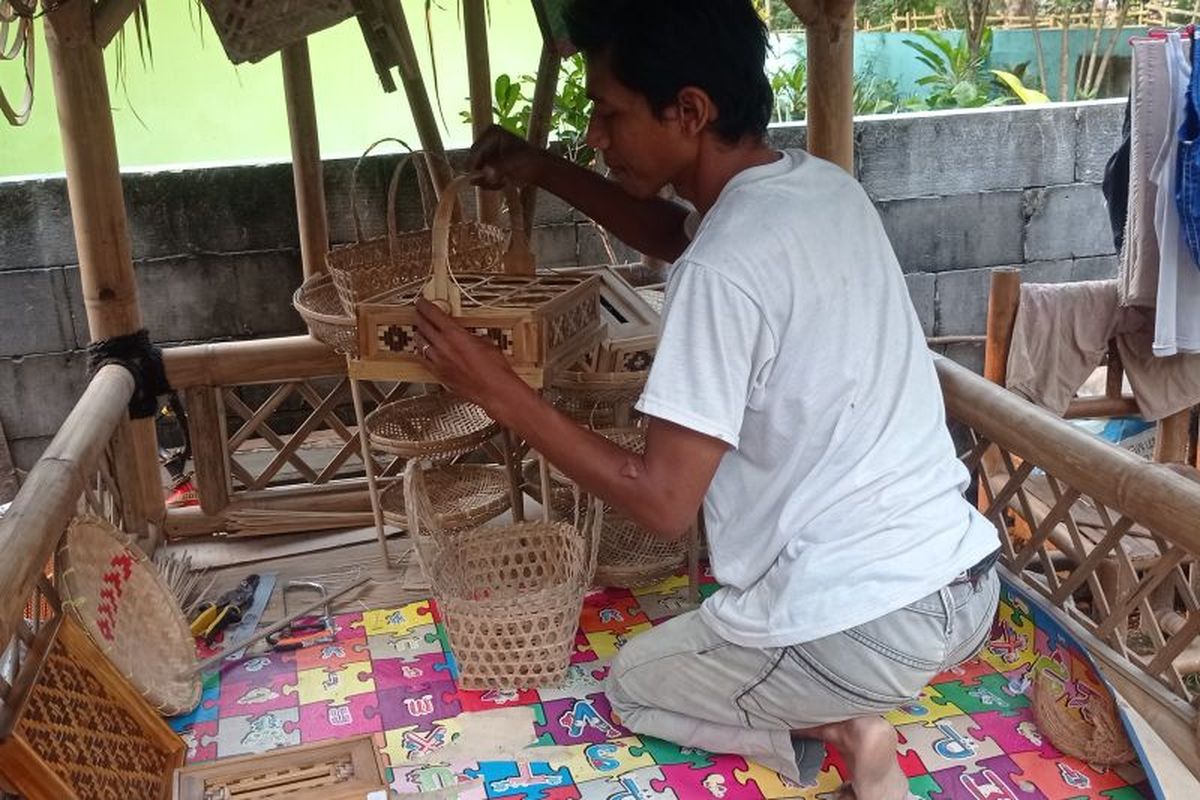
x,y
207,429
1003,299
829,33
109,17
541,111
479,75
98,212
306,157
44,506
418,97
1174,433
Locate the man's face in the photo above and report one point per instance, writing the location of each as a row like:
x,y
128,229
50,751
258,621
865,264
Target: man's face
x,y
643,152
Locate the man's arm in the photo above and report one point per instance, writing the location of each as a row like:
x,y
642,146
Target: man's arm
x,y
661,490
653,226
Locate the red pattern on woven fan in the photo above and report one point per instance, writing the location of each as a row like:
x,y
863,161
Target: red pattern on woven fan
x,y
121,567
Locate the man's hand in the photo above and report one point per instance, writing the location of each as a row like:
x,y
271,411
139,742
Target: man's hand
x,y
466,364
503,158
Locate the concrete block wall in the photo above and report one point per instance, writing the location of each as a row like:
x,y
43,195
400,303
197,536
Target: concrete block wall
x,y
217,256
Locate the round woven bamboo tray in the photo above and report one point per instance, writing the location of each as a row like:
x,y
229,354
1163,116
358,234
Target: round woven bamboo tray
x,y
463,496
510,595
1101,739
439,426
596,399
317,303
129,612
369,268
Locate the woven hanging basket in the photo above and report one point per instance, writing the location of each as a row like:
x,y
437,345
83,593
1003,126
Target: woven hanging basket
x,y
372,267
317,303
438,426
1098,739
125,606
463,496
251,30
510,596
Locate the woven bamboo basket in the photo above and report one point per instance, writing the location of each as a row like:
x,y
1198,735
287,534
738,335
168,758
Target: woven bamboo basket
x,y
318,305
462,495
510,596
438,426
372,267
597,400
251,30
123,603
1097,737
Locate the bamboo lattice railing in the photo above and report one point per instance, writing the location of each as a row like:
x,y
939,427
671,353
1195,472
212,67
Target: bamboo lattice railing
x,y
1109,539
78,472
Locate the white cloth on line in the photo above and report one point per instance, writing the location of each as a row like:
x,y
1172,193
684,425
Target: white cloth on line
x,y
1177,311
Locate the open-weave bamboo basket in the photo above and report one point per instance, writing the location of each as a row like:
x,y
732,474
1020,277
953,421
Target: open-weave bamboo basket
x,y
125,606
510,595
372,267
462,495
1098,739
318,305
251,30
597,399
438,426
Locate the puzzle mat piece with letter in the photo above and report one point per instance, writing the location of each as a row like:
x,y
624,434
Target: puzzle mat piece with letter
x,y
396,678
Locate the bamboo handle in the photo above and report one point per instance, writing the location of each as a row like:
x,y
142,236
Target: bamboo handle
x,y
219,656
440,290
354,181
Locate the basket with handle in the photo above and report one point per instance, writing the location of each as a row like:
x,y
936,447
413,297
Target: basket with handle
x,y
122,602
370,267
540,322
510,595
251,30
318,305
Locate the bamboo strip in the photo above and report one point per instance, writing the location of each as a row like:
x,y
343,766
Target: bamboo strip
x,y
35,522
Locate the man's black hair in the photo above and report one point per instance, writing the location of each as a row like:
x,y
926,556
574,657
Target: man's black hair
x,y
658,47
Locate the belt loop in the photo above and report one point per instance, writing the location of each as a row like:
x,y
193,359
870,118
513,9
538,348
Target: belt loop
x,y
948,604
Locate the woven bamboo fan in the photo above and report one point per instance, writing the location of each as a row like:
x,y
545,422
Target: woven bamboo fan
x,y
372,267
251,30
510,595
129,612
1098,739
438,426
318,305
540,322
462,495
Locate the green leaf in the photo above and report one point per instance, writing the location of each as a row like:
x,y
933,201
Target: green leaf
x,y
965,93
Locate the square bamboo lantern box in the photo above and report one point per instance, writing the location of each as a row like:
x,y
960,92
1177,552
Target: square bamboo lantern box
x,y
540,322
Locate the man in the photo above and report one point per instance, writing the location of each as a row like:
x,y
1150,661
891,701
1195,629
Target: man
x,y
792,393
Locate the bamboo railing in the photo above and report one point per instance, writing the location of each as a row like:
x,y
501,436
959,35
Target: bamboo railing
x,y
80,471
1108,539
1141,15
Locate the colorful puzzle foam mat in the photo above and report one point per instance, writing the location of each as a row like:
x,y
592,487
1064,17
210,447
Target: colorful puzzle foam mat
x,y
971,734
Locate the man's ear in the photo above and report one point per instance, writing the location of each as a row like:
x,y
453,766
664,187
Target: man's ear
x,y
696,110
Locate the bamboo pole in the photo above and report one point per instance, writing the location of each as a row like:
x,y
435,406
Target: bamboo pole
x,y
1003,299
39,515
306,157
206,424
541,110
479,75
418,96
285,358
1093,407
98,211
109,17
1174,434
829,32
1151,494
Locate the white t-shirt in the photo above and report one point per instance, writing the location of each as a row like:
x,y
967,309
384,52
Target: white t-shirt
x,y
788,333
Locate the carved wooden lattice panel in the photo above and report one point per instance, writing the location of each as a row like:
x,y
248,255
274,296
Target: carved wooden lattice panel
x,y
297,432
1125,584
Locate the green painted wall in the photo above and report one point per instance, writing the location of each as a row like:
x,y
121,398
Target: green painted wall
x,y
192,106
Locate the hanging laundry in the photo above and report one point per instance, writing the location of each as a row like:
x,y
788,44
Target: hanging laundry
x,y
1061,336
1177,306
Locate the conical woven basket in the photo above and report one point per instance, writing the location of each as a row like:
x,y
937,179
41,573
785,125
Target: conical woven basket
x,y
1097,737
372,267
129,612
510,596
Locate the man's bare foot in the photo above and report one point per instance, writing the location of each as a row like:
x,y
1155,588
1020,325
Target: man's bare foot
x,y
869,746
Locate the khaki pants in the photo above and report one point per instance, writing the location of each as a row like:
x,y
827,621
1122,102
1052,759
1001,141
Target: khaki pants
x,y
684,683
